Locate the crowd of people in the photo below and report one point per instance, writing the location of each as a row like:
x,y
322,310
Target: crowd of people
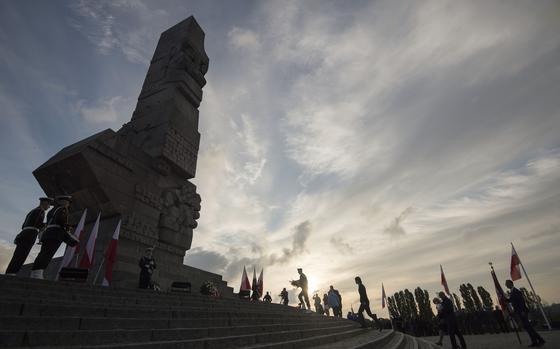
x,y
55,230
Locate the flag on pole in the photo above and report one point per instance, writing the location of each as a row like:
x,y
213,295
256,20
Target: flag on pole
x,y
499,291
87,257
245,284
444,281
383,296
69,252
260,283
111,256
515,270
254,286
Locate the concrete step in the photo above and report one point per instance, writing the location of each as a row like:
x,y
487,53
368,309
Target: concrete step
x,y
11,297
22,323
34,284
83,310
308,342
369,337
222,342
11,338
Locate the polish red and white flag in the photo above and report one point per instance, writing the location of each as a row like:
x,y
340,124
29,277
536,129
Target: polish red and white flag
x,y
515,270
87,257
70,251
245,284
444,281
260,283
111,256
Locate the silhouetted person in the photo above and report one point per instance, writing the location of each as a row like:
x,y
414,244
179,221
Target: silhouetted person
x,y
442,326
284,296
522,312
317,304
302,282
335,301
54,235
326,305
32,224
147,265
267,298
500,320
364,305
448,314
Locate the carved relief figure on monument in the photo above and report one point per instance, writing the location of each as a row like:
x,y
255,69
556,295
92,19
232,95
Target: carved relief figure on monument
x,y
180,210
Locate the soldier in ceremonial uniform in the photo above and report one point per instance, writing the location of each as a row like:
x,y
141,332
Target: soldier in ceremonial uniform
x,y
303,295
55,234
147,265
25,240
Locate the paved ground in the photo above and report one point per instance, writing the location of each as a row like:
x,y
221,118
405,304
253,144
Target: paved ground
x,y
503,341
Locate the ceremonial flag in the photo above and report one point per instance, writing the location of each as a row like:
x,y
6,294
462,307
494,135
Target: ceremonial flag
x,y
515,270
260,284
499,291
444,281
69,252
255,287
87,257
245,284
383,296
111,256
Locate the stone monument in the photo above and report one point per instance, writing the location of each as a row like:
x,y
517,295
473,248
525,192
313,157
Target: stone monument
x,y
141,173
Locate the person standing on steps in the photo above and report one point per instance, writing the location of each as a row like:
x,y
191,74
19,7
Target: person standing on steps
x,y
24,241
326,305
364,305
334,302
302,282
56,232
521,311
448,314
147,265
284,296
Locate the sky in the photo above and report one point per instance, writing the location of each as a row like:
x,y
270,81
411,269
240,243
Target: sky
x,y
370,138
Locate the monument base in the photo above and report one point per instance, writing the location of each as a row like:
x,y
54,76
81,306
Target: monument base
x,y
164,278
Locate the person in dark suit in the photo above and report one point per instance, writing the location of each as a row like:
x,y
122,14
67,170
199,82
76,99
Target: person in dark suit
x,y
520,310
448,315
32,224
364,305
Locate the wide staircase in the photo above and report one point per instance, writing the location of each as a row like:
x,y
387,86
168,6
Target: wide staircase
x,y
47,314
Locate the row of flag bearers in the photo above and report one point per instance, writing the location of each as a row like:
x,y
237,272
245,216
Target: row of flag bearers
x,y
55,231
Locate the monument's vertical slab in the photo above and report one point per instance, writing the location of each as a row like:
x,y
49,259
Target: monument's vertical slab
x,y
140,173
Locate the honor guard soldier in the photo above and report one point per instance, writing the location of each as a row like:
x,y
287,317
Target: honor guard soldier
x,y
25,240
56,232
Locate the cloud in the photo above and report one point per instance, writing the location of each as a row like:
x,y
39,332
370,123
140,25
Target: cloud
x,y
550,231
243,38
207,260
6,251
108,25
342,246
110,111
395,229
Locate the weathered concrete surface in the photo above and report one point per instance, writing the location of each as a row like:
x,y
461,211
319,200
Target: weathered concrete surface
x,y
503,341
140,173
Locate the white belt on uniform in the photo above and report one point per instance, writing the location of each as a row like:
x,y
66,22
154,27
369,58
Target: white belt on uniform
x,y
30,227
53,226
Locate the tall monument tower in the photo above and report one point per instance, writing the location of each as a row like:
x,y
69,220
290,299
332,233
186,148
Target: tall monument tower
x,y
141,173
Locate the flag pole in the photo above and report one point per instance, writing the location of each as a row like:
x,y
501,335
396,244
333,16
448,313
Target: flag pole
x,y
510,315
533,289
98,270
